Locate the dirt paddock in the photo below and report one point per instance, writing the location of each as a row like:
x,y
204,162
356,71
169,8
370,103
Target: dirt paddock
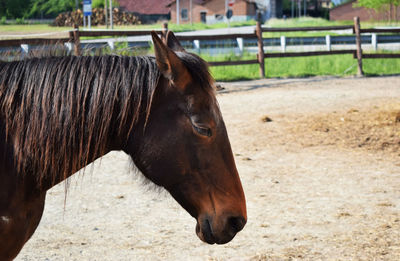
x,y
319,160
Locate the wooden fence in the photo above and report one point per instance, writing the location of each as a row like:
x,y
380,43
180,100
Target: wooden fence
x,y
76,34
261,55
357,53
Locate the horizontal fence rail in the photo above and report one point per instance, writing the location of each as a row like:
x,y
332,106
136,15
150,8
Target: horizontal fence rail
x,y
33,41
98,33
380,30
224,63
380,55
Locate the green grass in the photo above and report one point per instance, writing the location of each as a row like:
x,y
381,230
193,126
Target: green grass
x,y
310,66
32,28
310,22
376,67
334,65
42,28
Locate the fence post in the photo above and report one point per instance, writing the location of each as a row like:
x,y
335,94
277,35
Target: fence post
x,y
196,44
111,44
165,31
374,41
69,47
358,44
240,44
283,44
260,55
74,37
25,50
328,42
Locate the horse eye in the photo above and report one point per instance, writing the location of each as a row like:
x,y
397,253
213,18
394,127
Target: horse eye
x,y
203,131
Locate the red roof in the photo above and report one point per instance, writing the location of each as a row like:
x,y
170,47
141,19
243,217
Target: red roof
x,y
145,6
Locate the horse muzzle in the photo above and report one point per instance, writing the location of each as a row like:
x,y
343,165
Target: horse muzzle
x,y
219,230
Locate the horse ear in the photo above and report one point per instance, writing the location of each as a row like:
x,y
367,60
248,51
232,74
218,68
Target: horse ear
x,y
169,63
173,43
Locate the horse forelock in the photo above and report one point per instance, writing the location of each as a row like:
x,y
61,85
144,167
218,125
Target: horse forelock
x,y
199,70
61,112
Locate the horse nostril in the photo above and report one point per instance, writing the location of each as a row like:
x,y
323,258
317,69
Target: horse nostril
x,y
237,223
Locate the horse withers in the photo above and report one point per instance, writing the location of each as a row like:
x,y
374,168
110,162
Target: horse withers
x,y
58,114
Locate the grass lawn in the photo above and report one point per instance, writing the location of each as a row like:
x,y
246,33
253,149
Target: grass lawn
x,y
34,30
310,21
31,28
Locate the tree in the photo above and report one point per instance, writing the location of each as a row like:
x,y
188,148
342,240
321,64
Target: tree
x,y
51,7
381,5
100,3
14,8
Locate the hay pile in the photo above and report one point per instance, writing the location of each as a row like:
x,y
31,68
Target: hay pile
x,y
98,18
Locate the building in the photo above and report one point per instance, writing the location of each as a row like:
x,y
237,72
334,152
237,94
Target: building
x,y
213,11
148,11
349,10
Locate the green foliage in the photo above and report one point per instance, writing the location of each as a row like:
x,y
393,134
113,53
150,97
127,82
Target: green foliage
x,y
372,4
14,8
51,7
380,5
287,4
377,4
38,8
3,20
100,3
20,21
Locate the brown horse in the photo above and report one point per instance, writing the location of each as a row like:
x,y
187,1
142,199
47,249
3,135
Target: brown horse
x,y
59,114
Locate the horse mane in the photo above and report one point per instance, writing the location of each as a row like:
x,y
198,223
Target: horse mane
x,y
60,113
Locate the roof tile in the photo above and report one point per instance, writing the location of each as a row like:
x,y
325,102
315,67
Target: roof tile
x,y
145,6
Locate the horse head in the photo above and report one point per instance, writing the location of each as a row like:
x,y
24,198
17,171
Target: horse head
x,y
182,145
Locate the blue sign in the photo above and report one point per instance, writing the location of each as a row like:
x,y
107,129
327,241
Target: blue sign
x,y
87,7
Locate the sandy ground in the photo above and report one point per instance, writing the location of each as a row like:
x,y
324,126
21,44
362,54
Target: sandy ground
x,y
322,181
